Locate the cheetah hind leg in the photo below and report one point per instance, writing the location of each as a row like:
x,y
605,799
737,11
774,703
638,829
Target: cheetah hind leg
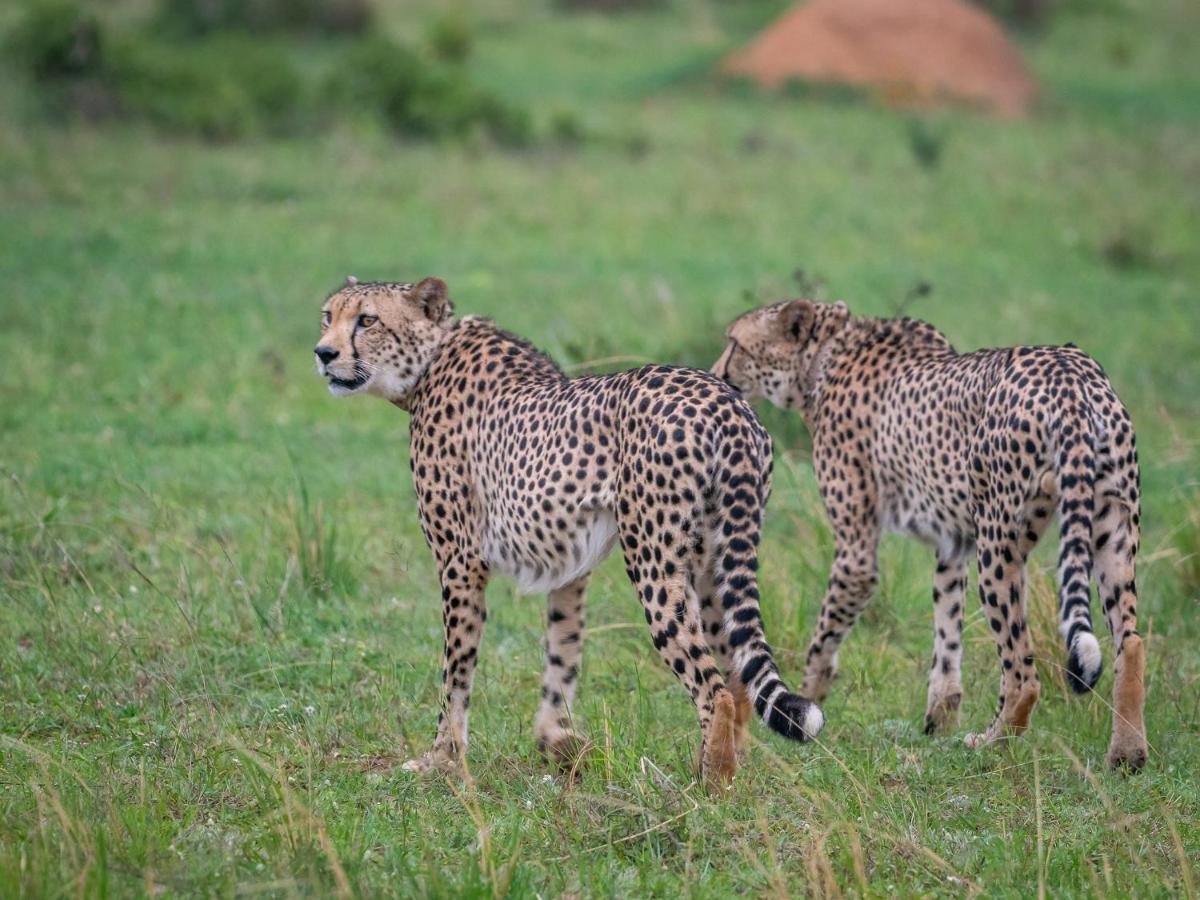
x,y
1002,574
1128,746
1003,727
743,711
556,739
719,752
713,618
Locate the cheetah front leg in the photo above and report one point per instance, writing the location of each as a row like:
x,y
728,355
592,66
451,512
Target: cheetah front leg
x,y
945,674
552,726
463,615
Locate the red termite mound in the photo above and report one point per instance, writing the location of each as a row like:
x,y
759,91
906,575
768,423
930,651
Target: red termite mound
x,y
916,51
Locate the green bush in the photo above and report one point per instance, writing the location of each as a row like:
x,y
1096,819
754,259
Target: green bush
x,y
1021,13
225,82
566,129
609,6
200,17
420,98
450,38
221,88
58,39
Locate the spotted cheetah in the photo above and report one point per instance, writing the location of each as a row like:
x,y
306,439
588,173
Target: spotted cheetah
x,y
521,470
968,452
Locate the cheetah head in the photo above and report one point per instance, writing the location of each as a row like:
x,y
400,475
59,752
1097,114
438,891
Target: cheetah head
x,y
379,338
779,351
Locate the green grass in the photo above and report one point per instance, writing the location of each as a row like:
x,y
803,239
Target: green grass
x,y
219,626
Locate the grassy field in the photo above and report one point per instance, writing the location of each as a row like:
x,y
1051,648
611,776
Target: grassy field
x,y
220,629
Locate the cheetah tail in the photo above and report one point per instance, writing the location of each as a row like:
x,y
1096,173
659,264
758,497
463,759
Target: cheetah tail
x,y
739,496
1076,476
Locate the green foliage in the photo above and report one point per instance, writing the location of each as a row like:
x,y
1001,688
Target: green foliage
x,y
316,548
610,6
419,98
221,75
926,141
223,87
58,39
566,128
1130,247
202,17
450,37
1022,13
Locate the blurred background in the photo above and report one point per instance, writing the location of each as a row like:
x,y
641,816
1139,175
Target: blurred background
x,y
219,626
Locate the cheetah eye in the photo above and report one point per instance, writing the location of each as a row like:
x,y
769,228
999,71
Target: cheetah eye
x,y
366,321
326,317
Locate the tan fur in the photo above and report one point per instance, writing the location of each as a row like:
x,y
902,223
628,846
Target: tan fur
x,y
1024,709
720,744
743,712
1128,746
520,470
973,454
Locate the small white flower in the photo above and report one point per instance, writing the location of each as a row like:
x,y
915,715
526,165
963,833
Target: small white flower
x,y
309,710
133,589
97,609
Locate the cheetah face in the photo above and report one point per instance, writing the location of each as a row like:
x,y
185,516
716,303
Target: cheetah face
x,y
775,352
378,338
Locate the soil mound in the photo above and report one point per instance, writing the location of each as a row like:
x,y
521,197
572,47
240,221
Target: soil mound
x,y
917,52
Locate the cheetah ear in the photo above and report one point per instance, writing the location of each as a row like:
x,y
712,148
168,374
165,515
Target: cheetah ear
x,y
796,321
430,295
351,281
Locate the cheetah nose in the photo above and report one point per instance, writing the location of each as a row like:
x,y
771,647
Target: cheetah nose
x,y
326,354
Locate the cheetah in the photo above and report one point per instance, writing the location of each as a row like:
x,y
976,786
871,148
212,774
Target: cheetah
x,y
968,452
519,469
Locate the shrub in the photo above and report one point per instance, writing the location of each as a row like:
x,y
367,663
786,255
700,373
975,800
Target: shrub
x,y
223,84
610,6
59,39
419,98
194,18
926,142
566,129
1021,13
221,88
450,38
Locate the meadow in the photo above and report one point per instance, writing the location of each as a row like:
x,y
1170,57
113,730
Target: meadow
x,y
220,628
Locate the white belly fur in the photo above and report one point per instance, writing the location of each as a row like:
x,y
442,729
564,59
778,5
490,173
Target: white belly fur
x,y
589,543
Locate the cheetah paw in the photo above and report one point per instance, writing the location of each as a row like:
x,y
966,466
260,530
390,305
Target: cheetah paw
x,y
433,763
942,714
976,741
1127,753
564,748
